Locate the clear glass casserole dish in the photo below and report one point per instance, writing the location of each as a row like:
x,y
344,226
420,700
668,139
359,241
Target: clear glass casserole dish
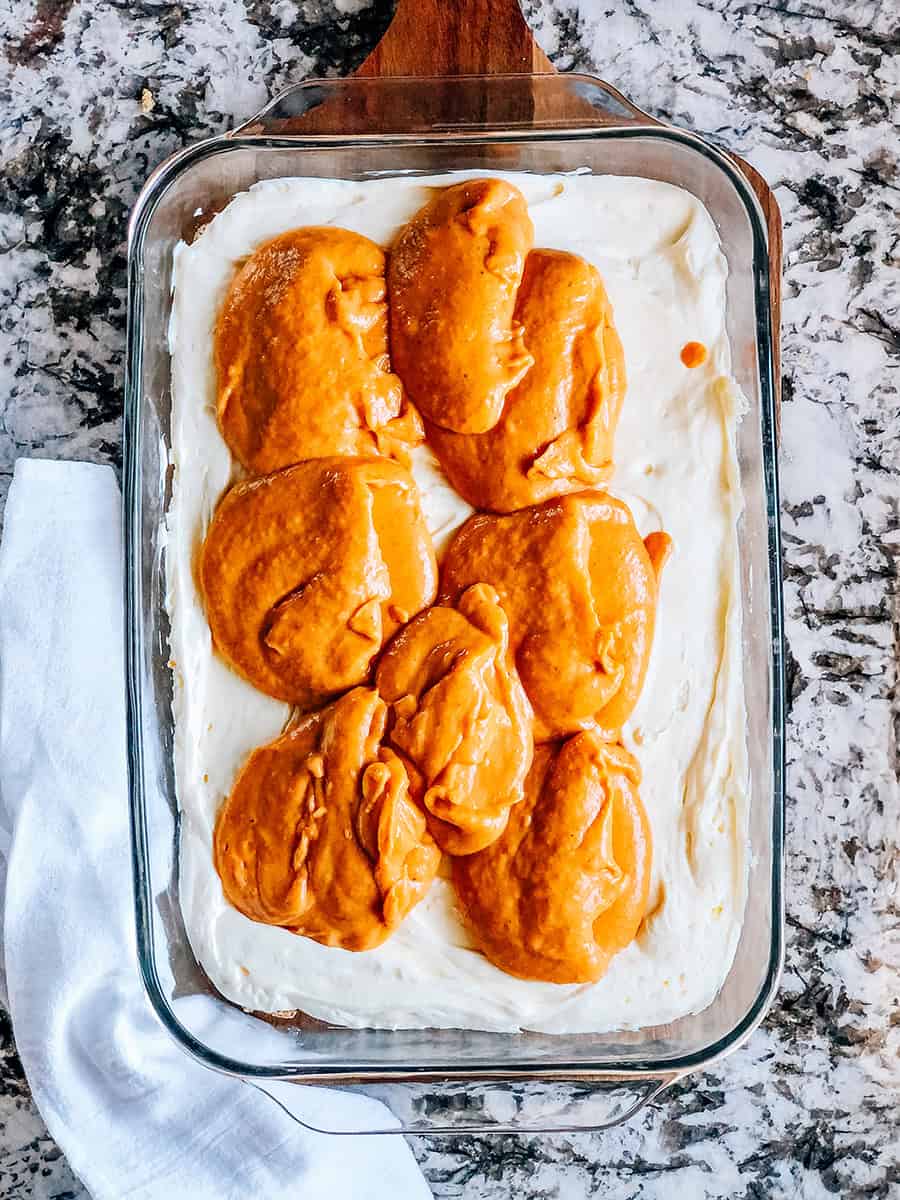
x,y
444,1080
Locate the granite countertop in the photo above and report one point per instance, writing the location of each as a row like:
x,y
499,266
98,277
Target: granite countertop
x,y
94,93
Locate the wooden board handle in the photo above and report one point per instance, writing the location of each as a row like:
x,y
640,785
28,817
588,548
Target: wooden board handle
x,y
457,37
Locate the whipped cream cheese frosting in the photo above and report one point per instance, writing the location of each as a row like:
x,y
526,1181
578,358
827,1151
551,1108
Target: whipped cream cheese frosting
x,y
658,252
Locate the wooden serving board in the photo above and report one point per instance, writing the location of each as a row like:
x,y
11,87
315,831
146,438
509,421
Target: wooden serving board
x,y
442,38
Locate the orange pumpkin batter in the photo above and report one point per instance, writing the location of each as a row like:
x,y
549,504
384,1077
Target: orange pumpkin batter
x,y
301,354
579,587
319,833
557,428
565,887
459,717
453,275
693,354
306,573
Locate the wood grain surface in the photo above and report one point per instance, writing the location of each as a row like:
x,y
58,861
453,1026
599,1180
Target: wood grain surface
x,y
457,37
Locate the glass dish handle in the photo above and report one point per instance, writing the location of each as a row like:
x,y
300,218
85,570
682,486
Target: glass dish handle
x,y
494,1107
463,104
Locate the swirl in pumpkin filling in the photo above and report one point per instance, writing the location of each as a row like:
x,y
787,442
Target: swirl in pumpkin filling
x,y
319,833
557,428
459,717
453,275
301,354
579,587
306,573
565,887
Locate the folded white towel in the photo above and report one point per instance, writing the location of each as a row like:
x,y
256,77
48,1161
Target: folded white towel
x,y
134,1115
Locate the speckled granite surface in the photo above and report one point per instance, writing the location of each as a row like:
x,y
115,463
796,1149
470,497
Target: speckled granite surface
x,y
93,94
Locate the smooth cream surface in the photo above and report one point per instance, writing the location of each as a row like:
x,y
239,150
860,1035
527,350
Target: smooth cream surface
x,y
664,271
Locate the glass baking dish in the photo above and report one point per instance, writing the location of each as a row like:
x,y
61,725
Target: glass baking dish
x,y
443,1080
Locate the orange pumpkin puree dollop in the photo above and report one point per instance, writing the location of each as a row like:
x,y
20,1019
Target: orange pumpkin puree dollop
x,y
556,431
693,354
459,718
579,587
565,886
306,573
319,833
453,275
301,354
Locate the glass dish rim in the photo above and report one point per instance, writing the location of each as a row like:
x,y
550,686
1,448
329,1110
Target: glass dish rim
x,y
608,1070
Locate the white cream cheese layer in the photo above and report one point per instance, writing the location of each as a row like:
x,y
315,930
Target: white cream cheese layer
x,y
659,255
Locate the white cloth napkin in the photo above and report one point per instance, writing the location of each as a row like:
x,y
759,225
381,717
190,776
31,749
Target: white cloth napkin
x,y
134,1115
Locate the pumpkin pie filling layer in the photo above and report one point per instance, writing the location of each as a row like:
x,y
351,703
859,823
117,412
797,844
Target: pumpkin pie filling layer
x,y
459,717
307,573
320,834
454,274
556,431
656,251
565,886
579,587
302,357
